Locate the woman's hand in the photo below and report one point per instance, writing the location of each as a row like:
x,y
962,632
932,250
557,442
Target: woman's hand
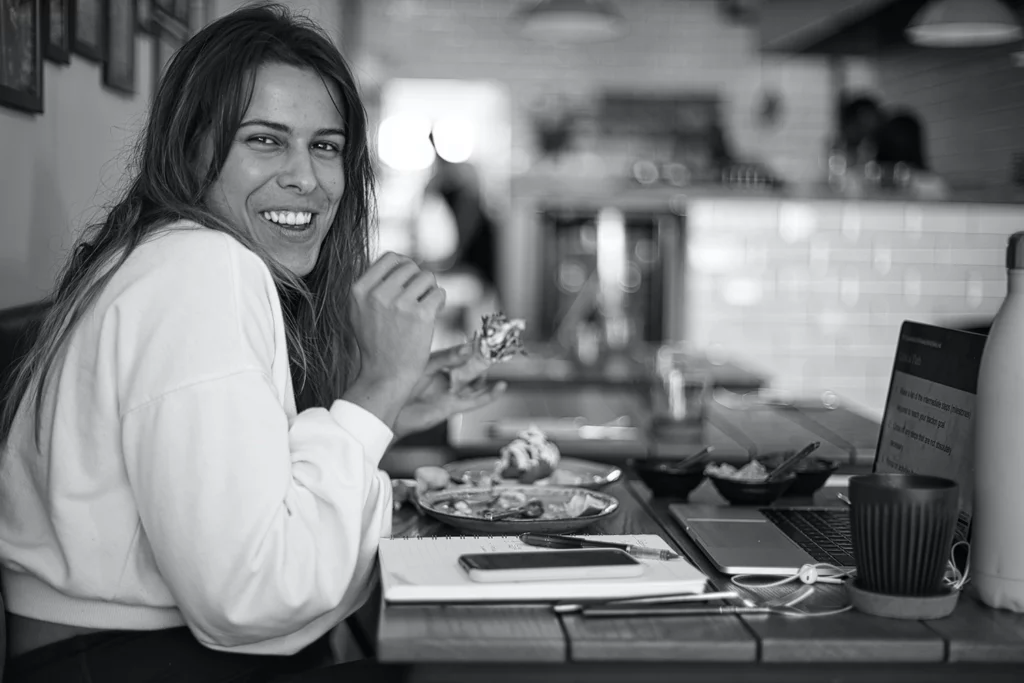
x,y
394,306
432,400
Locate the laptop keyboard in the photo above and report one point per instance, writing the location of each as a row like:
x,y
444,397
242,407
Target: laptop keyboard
x,y
823,533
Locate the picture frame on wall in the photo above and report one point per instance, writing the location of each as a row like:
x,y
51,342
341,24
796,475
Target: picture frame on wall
x,y
119,64
168,39
181,10
144,19
87,23
57,31
174,15
21,55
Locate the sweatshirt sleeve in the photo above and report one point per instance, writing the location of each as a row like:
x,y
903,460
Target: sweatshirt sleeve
x,y
265,527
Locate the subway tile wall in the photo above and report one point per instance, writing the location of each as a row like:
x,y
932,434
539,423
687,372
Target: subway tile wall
x,y
671,46
814,292
971,102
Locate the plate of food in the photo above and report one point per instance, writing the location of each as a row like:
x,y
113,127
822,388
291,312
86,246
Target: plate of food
x,y
509,510
569,472
532,458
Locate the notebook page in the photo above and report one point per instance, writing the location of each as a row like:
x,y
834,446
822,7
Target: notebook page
x,y
427,570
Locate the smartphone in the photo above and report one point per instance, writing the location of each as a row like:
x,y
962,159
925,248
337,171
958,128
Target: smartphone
x,y
551,565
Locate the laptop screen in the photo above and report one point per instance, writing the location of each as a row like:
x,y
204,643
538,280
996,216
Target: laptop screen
x,y
928,422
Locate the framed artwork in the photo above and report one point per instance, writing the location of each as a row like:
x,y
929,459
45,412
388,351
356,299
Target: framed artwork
x,y
87,20
166,44
119,65
172,15
144,19
21,54
181,10
57,30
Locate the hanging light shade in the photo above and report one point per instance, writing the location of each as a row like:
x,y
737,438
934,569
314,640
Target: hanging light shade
x,y
577,21
963,23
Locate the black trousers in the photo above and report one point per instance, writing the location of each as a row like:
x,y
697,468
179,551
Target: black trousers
x,y
173,655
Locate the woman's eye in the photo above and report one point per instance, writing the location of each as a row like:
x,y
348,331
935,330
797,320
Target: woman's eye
x,y
263,140
329,148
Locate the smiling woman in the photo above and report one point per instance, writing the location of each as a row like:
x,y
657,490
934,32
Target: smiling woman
x,y
283,177
170,505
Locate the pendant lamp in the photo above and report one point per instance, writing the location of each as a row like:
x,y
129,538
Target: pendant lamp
x,y
575,21
964,23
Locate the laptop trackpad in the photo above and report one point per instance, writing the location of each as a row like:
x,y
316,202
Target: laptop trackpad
x,y
748,544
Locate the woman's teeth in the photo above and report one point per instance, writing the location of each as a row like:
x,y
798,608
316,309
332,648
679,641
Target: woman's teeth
x,y
288,217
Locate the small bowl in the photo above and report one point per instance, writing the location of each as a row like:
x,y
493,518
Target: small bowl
x,y
811,473
744,492
668,481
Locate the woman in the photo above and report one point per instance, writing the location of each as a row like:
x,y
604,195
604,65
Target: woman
x,y
167,511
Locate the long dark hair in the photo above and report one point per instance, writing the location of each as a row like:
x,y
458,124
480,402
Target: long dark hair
x,y
199,105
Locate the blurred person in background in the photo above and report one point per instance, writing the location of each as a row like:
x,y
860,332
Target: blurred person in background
x,y
859,120
453,202
902,156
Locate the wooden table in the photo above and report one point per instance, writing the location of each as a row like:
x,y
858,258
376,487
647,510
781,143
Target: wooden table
x,y
476,643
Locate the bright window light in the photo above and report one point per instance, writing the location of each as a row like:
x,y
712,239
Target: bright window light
x,y
454,139
403,142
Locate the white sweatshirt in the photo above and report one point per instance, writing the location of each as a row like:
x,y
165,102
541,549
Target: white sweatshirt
x,y
174,482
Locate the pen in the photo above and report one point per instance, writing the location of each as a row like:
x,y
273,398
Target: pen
x,y
690,610
572,607
563,542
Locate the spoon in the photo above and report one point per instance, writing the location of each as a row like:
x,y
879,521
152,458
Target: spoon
x,y
531,510
693,459
791,462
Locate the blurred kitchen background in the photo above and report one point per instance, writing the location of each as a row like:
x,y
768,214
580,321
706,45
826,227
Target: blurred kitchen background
x,y
628,172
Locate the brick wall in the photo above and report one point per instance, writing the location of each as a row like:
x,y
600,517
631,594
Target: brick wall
x,y
971,103
815,292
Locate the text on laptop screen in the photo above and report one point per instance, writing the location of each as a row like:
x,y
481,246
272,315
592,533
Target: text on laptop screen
x,y
928,423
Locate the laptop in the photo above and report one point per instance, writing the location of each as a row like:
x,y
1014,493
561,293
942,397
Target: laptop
x,y
927,428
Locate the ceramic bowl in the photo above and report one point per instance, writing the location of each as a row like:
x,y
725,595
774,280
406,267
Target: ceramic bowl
x,y
811,473
746,492
666,480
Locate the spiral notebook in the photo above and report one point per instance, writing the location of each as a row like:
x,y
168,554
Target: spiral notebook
x,y
426,570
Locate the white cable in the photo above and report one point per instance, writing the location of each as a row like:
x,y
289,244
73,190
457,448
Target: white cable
x,y
955,578
821,572
808,575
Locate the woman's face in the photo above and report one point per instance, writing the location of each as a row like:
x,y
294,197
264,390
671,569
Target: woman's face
x,y
283,178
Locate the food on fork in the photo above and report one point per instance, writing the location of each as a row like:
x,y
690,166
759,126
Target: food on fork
x,y
528,457
498,339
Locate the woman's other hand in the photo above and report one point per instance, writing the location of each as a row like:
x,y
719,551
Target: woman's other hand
x,y
432,400
395,304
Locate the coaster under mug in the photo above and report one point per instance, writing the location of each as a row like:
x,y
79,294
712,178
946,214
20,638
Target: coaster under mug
x,y
914,607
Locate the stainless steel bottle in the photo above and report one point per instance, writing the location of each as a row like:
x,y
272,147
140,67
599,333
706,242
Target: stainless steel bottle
x,y
997,543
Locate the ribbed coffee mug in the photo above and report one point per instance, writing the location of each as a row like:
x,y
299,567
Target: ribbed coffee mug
x,y
902,527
